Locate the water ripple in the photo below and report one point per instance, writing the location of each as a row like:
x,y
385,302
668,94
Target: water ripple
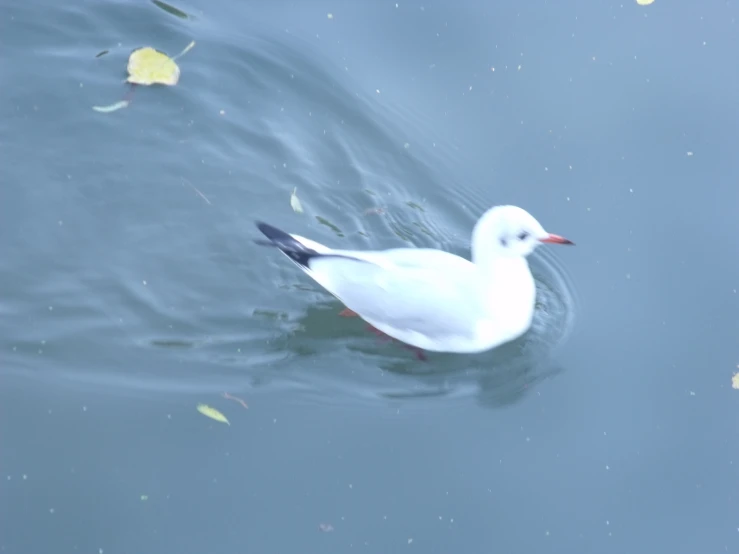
x,y
165,291
339,357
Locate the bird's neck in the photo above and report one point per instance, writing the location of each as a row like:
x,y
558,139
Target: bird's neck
x,y
509,292
503,271
505,280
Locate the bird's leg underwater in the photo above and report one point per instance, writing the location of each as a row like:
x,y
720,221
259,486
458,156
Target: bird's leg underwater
x,y
384,337
420,354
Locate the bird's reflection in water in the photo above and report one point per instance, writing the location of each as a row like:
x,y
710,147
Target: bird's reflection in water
x,y
497,378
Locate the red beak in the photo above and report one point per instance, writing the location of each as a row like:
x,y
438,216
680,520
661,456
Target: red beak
x,y
556,239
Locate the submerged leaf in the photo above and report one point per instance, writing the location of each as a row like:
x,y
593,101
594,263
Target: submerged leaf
x,y
170,9
236,398
112,107
325,527
295,201
148,66
99,54
212,413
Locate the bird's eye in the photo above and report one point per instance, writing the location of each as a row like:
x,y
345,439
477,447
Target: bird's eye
x,y
523,235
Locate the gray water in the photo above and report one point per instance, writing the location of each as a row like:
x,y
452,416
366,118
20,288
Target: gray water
x,y
132,290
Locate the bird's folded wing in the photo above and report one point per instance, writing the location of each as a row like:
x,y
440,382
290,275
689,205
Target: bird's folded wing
x,y
434,301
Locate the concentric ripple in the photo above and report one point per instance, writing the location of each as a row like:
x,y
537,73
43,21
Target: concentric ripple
x,y
339,358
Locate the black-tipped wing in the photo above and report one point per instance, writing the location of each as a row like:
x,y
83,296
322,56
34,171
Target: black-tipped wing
x,y
293,248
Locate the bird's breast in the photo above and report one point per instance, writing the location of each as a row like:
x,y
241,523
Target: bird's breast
x,y
509,305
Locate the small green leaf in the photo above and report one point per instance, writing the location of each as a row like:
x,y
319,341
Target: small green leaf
x,y
212,413
170,9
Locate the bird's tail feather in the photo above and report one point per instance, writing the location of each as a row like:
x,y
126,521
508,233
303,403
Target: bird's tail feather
x,y
291,247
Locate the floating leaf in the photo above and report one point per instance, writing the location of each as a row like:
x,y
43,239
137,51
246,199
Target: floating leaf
x,y
170,9
735,381
295,201
147,66
197,191
212,413
112,107
99,54
644,2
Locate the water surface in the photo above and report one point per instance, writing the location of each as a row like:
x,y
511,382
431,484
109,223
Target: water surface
x,y
132,290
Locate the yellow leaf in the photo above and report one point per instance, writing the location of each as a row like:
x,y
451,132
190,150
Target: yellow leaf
x,y
644,2
295,201
735,381
147,66
212,413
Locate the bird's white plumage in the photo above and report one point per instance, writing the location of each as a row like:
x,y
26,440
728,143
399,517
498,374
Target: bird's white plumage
x,y
435,300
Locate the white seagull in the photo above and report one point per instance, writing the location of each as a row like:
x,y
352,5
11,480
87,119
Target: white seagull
x,y
430,299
